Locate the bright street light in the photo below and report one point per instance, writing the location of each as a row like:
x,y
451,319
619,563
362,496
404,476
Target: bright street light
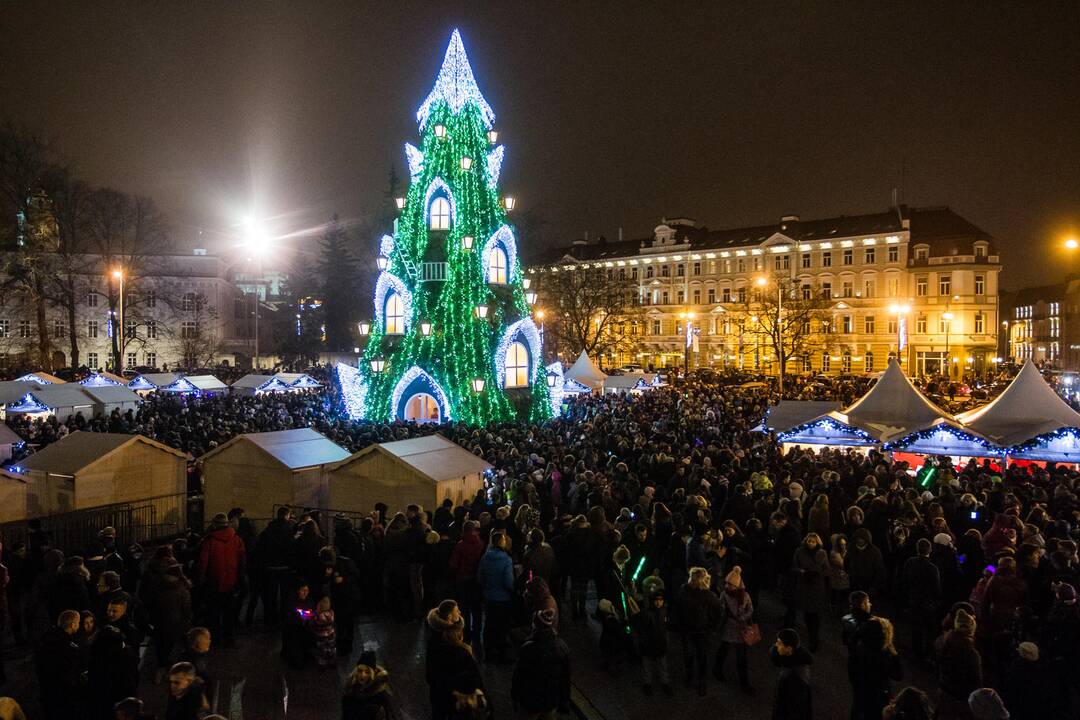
x,y
1072,243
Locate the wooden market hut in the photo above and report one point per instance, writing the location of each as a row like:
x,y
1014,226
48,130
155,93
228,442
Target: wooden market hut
x,y
8,440
63,401
13,494
88,469
257,471
424,470
112,397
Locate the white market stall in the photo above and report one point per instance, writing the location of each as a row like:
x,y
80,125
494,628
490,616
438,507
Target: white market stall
x,y
107,398
254,384
102,379
62,401
298,381
197,384
152,382
41,377
585,372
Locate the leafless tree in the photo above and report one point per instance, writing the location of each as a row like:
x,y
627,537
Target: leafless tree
x,y
587,310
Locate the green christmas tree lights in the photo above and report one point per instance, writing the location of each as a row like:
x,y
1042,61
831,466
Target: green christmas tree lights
x,y
450,302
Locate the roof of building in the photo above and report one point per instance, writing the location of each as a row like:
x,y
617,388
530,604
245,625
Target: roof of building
x,y
76,451
97,379
1026,409
111,393
206,382
297,380
790,413
12,390
946,232
65,395
157,380
433,456
42,377
295,449
585,372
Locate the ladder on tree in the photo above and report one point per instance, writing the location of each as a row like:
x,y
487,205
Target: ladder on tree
x,y
410,267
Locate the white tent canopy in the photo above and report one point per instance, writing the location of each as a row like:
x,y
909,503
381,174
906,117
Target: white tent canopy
x,y
790,413
1028,408
893,406
585,372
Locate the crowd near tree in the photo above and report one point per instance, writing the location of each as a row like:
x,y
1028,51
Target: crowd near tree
x,y
661,518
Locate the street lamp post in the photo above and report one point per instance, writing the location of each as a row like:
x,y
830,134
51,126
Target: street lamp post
x,y
119,276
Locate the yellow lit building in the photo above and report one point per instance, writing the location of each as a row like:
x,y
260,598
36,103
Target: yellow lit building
x,y
921,279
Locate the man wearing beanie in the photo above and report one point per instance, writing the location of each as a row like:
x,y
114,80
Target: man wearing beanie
x,y
986,704
541,684
1029,689
959,665
218,571
793,697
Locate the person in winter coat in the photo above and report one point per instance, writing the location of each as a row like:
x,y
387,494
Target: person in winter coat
x,y
650,627
810,567
578,567
113,673
187,696
1005,592
865,564
986,704
166,594
839,582
341,584
218,572
367,693
959,667
274,554
698,611
496,576
539,557
793,695
876,664
818,520
71,591
541,683
923,583
538,597
462,576
738,614
439,655
910,703
295,638
1027,690
60,668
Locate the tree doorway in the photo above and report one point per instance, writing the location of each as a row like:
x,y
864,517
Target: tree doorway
x,y
422,407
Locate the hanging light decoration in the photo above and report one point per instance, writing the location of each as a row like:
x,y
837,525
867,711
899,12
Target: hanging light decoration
x,y
383,262
466,243
478,385
425,328
526,283
481,311
365,328
509,202
466,163
440,131
493,136
552,378
530,297
400,202
377,364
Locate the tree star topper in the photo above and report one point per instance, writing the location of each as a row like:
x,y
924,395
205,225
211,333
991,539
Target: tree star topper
x,y
456,85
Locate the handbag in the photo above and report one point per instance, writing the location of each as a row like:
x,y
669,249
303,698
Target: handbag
x,y
751,634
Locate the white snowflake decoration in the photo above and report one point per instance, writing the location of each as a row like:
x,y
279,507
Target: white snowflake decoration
x,y
415,156
494,165
455,85
386,246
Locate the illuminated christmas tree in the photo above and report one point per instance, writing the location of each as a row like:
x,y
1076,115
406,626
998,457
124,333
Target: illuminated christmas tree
x,y
452,336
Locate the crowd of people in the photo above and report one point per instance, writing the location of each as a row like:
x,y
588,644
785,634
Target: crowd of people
x,y
661,517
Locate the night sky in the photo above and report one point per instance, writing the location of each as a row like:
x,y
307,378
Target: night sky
x,y
614,114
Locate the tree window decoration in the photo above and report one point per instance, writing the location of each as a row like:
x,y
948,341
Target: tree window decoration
x,y
395,315
517,366
440,214
497,270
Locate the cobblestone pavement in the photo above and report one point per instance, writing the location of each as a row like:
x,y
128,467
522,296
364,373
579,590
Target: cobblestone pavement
x,y
255,685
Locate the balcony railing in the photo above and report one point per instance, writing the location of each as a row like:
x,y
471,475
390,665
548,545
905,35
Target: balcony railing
x,y
433,272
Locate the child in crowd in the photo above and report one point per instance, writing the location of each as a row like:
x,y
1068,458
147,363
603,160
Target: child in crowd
x,y
322,629
197,652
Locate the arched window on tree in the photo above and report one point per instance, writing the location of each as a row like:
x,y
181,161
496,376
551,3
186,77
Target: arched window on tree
x,y
497,269
517,366
395,315
439,215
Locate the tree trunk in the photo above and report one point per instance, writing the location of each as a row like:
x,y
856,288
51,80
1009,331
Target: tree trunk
x,y
44,348
73,337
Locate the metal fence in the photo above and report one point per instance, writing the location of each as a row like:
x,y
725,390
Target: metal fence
x,y
145,521
326,517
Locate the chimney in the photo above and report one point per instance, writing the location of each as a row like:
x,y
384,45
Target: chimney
x,y
787,221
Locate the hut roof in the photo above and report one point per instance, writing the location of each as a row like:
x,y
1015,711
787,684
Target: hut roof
x,y
790,413
111,393
295,449
79,449
1027,408
433,456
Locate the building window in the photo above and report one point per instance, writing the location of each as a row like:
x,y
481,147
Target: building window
x,y
943,326
697,297
740,295
24,328
826,290
806,261
725,295
869,358
891,326
189,330
869,288
845,363
188,303
741,265
868,324
395,315
980,323
655,327
826,362
945,285
129,329
980,251
151,299
665,298
807,291
849,257
980,284
826,259
727,266
648,272
497,265
922,253
847,325
920,286
920,325
665,271
5,328
681,295
91,328
132,360
680,270
151,359
870,256
697,268
58,328
711,295
757,263
848,289
517,366
92,360
892,285
91,299
893,254
439,214
151,329
807,363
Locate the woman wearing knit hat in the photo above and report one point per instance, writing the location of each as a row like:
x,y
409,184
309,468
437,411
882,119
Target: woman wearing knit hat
x,y
986,704
810,566
697,611
737,622
959,665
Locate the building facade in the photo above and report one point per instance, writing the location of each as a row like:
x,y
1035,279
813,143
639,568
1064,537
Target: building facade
x,y
1040,324
176,310
918,282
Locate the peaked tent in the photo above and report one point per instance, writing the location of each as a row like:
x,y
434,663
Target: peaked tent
x,y
152,381
789,413
584,371
195,384
945,437
257,384
42,377
424,470
893,407
59,400
1027,409
297,381
102,379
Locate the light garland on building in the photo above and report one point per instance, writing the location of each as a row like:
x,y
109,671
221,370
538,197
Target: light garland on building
x,y
936,431
456,87
28,404
1043,442
504,236
98,380
494,166
31,377
830,424
556,390
415,159
526,329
